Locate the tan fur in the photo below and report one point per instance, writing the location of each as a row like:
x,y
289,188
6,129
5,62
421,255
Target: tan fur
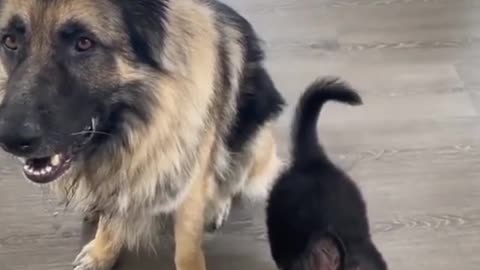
x,y
189,217
105,243
265,166
102,252
189,220
21,8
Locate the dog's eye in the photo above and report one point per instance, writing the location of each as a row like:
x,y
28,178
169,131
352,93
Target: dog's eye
x,y
84,44
10,42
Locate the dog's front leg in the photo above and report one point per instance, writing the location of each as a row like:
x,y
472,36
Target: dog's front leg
x,y
103,251
189,229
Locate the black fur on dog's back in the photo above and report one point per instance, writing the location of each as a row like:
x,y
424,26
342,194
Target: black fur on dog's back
x,y
314,201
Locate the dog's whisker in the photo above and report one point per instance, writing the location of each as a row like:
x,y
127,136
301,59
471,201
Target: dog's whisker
x,y
85,132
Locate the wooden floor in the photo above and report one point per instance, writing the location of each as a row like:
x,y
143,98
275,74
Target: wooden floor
x,y
414,147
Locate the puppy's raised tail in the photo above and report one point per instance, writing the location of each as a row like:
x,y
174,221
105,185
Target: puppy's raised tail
x,y
305,143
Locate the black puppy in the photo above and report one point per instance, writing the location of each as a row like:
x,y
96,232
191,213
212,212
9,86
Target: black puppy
x,y
316,216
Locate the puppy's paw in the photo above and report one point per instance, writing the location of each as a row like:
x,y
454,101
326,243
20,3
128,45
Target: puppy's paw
x,y
89,260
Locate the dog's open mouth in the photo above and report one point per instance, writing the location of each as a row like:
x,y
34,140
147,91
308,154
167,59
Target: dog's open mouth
x,y
47,169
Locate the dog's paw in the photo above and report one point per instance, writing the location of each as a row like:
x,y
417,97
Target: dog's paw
x,y
87,260
220,217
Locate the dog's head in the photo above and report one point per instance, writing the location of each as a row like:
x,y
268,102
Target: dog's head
x,y
77,72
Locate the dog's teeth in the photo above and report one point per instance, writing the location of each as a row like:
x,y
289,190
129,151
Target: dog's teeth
x,y
29,169
48,169
42,171
37,173
55,160
94,123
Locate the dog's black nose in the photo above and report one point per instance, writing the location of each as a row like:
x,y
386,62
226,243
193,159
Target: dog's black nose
x,y
19,138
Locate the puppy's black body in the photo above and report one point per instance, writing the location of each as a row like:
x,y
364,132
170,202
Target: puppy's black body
x,y
314,201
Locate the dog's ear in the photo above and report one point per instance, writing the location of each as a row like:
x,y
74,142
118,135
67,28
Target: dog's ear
x,y
327,252
145,22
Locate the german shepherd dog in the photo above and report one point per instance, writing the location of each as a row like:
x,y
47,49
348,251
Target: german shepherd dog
x,y
316,216
133,110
